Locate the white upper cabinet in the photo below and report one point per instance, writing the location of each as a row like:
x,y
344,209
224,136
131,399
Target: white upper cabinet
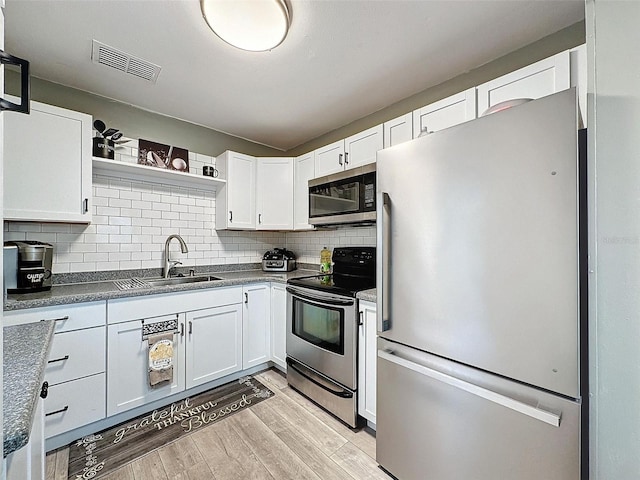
x,y
398,130
538,80
47,165
236,200
445,113
274,199
361,148
354,151
258,193
329,159
304,170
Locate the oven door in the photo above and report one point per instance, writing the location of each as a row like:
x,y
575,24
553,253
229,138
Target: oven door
x,y
321,333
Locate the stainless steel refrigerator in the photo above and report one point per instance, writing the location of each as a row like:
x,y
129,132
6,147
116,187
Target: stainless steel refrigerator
x,y
479,299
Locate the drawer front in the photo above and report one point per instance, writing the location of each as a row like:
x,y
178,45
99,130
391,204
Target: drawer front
x,y
125,309
67,317
76,354
73,404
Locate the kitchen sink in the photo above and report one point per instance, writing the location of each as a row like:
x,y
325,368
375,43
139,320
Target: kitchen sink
x,y
134,283
179,280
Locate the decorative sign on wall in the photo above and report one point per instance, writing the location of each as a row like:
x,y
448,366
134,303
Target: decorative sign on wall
x,y
159,155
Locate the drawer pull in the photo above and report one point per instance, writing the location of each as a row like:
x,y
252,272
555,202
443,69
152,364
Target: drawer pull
x,y
61,319
45,390
62,410
61,359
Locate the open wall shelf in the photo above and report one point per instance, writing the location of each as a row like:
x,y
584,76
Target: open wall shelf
x,y
115,168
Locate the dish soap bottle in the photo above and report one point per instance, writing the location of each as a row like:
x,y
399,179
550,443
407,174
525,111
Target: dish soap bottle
x,y
325,260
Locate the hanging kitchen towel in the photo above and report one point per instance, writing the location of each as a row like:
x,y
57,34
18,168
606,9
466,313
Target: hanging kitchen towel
x,y
160,358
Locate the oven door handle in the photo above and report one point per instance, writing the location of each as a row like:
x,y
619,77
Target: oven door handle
x,y
327,300
343,394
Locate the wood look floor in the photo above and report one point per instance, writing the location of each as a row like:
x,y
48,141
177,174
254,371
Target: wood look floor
x,y
285,437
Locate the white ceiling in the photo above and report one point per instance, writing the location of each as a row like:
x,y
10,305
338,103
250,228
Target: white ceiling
x,y
342,59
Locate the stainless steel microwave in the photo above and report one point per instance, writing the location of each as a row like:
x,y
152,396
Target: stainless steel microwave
x,y
344,198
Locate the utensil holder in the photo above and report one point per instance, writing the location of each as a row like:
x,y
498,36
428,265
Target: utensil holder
x,y
103,148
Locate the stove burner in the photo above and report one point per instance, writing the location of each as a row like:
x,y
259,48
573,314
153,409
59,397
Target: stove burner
x,y
354,271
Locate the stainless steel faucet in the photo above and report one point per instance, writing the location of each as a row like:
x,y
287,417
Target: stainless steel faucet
x,y
169,264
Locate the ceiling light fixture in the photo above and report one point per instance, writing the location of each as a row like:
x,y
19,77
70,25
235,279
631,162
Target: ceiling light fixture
x,y
254,25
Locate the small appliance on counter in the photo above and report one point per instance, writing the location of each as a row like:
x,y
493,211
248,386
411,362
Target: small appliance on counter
x,y
279,260
27,266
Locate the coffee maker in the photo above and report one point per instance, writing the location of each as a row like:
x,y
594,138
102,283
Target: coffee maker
x,y
27,266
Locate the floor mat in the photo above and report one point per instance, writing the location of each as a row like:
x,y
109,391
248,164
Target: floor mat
x,y
96,455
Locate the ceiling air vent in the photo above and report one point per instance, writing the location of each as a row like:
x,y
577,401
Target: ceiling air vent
x,y
114,58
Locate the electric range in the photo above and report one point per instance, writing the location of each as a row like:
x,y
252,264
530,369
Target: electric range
x,y
322,331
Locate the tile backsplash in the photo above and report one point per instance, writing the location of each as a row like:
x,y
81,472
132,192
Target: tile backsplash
x,y
307,245
132,219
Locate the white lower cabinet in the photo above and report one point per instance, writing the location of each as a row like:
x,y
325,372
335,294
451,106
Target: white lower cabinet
x,y
208,344
367,358
76,354
77,362
256,325
279,325
98,365
74,404
27,463
128,365
214,344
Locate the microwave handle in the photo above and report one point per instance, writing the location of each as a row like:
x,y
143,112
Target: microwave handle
x,y
25,86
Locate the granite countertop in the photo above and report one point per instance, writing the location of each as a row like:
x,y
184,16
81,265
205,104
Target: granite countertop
x,y
64,294
26,351
368,295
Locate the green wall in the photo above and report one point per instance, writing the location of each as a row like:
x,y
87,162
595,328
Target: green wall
x,y
565,39
138,123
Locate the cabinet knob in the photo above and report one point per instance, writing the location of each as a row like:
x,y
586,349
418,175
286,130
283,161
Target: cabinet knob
x,y
44,391
190,327
360,321
259,218
346,158
340,159
85,205
246,297
230,216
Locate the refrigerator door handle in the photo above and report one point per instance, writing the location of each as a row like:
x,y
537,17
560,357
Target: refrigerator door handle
x,y
508,402
383,234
